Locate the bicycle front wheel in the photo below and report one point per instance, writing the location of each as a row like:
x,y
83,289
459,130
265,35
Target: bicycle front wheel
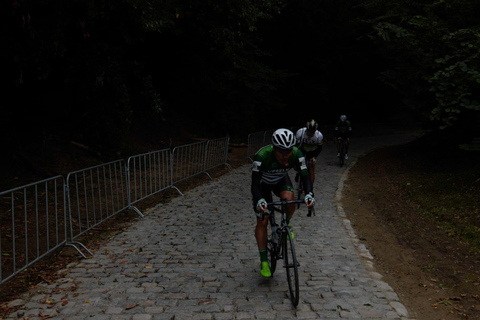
x,y
291,268
272,252
273,247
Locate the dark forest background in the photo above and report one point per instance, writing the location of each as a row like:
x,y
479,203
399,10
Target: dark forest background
x,y
99,72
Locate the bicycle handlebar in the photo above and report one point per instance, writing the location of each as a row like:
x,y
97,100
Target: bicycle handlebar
x,y
276,203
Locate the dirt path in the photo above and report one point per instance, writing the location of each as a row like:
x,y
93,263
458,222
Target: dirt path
x,y
430,272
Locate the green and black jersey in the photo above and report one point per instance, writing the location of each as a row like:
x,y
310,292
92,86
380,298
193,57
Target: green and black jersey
x,y
267,170
343,129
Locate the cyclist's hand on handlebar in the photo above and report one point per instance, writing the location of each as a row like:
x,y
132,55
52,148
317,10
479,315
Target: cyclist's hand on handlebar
x,y
262,205
309,200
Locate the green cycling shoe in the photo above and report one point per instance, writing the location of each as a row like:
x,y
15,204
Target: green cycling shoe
x,y
291,232
265,269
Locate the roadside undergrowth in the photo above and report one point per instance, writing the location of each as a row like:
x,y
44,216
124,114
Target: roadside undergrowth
x,y
443,183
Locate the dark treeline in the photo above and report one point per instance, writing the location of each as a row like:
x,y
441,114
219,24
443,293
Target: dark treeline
x,y
96,71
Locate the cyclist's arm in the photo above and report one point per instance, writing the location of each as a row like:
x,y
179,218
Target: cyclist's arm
x,y
336,133
304,175
255,188
317,151
307,183
304,153
299,138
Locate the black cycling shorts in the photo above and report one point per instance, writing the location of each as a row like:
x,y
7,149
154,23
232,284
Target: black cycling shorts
x,y
285,184
310,154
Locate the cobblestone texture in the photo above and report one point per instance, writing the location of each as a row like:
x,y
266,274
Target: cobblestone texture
x,y
196,258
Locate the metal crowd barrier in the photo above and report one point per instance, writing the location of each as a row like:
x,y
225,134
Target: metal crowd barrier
x,y
39,218
257,140
94,195
216,153
188,161
148,174
197,158
33,224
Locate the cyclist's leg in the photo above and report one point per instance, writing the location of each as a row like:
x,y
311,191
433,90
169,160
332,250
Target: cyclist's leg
x,y
284,189
339,144
261,234
261,228
290,197
286,194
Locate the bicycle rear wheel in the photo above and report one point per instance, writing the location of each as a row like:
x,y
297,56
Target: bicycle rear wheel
x,y
291,267
341,159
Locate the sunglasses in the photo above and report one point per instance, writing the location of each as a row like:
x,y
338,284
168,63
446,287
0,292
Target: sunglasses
x,y
284,151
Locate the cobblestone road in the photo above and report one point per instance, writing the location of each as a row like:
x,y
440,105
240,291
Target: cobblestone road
x,y
196,258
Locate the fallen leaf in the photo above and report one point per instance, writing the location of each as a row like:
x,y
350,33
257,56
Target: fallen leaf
x,y
130,307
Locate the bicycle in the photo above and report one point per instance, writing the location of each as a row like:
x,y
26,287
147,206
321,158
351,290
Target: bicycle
x,y
280,246
341,157
300,190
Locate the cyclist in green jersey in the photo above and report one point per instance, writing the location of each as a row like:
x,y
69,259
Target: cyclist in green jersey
x,y
270,174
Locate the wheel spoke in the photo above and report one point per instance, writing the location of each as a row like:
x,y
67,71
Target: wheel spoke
x,y
272,255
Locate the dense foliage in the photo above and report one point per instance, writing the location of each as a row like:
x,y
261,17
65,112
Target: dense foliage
x,y
434,56
96,71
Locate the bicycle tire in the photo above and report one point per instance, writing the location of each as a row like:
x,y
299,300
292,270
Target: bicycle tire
x,y
272,248
341,159
291,267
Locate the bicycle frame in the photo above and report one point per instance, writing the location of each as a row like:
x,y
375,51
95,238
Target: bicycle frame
x,y
280,246
283,210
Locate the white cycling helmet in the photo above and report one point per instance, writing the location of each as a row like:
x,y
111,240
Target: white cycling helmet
x,y
283,139
343,117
